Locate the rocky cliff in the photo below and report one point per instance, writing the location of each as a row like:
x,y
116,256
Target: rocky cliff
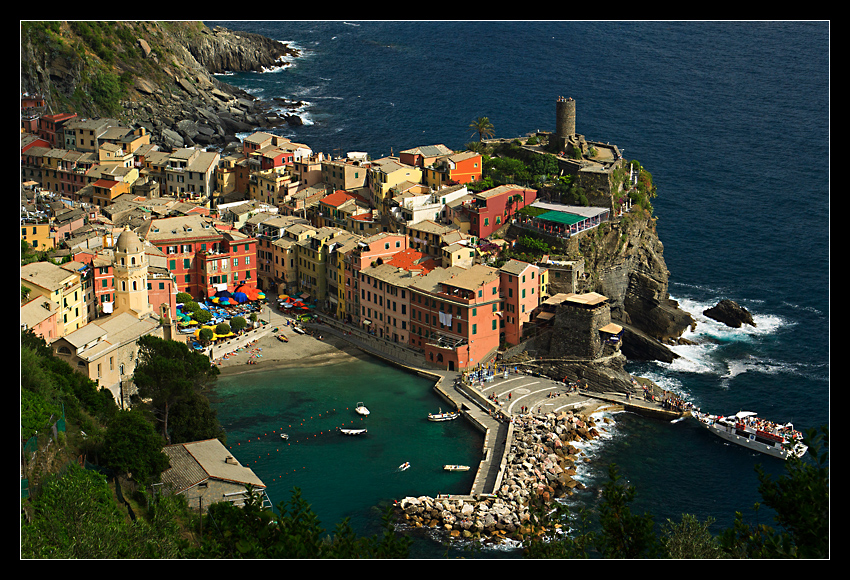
x,y
153,74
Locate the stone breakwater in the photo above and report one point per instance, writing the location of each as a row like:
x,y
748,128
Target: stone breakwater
x,y
541,462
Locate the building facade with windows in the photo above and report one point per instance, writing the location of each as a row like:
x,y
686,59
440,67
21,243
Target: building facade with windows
x,y
455,316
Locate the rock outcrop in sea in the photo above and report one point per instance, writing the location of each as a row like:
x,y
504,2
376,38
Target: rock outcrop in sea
x,y
730,313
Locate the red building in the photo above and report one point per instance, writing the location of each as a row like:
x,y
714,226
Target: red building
x,y
52,128
491,209
203,257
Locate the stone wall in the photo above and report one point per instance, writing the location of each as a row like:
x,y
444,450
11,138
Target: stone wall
x,y
576,331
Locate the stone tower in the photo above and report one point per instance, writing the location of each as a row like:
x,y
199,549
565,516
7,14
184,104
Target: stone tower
x,y
565,119
131,276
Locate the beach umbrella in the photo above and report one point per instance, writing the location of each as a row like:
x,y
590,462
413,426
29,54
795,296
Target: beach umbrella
x,y
240,297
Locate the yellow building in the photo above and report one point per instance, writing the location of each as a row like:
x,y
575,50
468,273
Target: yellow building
x,y
387,173
346,174
265,185
38,235
62,285
312,262
339,247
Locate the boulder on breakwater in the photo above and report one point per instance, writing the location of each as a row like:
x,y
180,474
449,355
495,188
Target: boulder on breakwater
x,y
541,462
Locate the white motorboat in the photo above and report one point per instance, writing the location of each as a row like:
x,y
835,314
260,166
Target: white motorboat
x,y
404,466
351,431
361,409
456,467
440,416
284,436
748,430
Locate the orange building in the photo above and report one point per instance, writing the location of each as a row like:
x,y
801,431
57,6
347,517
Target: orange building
x,y
455,314
455,169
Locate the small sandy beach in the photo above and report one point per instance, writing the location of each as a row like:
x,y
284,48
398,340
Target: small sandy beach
x,y
301,350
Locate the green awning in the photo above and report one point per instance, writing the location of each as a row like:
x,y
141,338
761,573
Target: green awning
x,y
561,217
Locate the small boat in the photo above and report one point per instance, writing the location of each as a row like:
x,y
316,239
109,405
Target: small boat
x,y
361,409
282,338
298,329
456,467
404,466
284,436
351,431
748,430
440,416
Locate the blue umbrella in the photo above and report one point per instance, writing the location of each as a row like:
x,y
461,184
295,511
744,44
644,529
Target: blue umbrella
x,y
240,297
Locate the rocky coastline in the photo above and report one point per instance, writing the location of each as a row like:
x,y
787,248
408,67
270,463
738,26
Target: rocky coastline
x,y
168,71
541,464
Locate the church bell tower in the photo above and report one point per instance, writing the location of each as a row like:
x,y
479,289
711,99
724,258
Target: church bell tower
x,y
131,276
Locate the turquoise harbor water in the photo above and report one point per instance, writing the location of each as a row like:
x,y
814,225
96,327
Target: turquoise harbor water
x,y
343,476
732,120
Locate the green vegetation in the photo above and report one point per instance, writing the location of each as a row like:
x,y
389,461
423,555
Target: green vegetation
x,y
171,377
483,127
295,532
82,512
100,59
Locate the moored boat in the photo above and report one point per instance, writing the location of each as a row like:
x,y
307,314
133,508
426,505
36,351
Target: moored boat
x,y
748,430
361,409
351,431
440,416
456,467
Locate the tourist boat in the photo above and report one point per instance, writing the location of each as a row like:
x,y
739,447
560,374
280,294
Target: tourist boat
x,y
361,409
748,430
440,416
456,467
404,466
351,431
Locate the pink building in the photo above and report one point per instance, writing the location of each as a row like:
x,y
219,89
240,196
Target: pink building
x,y
41,316
520,291
370,251
385,294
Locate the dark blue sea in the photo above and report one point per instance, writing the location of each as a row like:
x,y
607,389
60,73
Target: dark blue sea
x,y
732,120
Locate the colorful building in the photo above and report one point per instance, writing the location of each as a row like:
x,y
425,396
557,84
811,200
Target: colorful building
x,y
455,169
62,285
489,210
455,315
520,288
370,251
202,257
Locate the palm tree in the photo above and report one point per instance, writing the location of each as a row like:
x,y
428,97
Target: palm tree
x,y
483,127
